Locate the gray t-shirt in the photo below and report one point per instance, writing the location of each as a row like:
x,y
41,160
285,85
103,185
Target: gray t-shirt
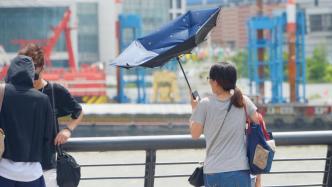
x,y
229,152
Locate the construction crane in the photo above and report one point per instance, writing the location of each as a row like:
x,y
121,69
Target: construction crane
x,y
49,44
87,83
62,26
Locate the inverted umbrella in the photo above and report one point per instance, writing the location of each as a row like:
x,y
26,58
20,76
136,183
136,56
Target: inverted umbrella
x,y
178,37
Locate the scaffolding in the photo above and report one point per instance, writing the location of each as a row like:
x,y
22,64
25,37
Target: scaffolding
x,y
133,24
300,57
274,43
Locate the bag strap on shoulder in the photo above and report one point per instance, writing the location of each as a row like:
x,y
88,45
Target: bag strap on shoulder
x,y
220,127
2,93
59,149
261,123
246,113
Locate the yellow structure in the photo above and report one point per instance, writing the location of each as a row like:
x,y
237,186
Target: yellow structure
x,y
165,87
95,99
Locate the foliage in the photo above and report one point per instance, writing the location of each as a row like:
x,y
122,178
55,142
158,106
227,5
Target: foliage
x,y
241,61
318,67
328,74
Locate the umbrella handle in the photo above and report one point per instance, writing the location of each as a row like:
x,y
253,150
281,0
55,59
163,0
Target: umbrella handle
x,y
196,95
193,94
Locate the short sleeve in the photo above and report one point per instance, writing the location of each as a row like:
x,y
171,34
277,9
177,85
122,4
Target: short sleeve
x,y
199,114
250,106
65,103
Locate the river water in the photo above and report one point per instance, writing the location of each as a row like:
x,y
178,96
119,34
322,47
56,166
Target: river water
x,y
193,155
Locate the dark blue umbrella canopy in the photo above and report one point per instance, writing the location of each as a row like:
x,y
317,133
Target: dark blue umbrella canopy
x,y
177,37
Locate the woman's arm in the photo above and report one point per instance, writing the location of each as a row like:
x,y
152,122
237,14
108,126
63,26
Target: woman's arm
x,y
255,117
196,129
67,105
63,136
251,109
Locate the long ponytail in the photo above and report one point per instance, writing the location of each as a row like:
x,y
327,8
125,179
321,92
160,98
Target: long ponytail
x,y
237,98
225,74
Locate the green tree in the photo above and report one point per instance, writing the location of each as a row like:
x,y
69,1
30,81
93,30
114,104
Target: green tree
x,y
328,74
241,61
318,66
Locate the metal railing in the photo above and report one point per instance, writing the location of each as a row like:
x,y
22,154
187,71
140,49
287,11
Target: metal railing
x,y
151,144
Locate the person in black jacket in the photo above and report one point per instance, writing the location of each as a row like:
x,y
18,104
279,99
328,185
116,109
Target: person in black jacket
x,y
65,105
25,119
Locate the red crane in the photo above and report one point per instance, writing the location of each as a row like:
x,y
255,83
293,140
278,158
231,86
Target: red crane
x,y
88,83
50,43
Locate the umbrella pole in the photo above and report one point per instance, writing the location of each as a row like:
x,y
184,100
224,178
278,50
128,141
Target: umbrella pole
x,y
185,76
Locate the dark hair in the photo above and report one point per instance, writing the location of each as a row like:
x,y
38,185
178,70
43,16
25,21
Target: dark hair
x,y
225,74
35,52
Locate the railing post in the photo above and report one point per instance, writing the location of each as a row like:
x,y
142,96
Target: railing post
x,y
150,166
328,167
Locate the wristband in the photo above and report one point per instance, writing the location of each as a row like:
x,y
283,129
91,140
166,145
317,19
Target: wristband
x,y
71,131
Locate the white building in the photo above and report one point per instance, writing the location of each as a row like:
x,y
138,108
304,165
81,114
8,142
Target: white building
x,y
319,24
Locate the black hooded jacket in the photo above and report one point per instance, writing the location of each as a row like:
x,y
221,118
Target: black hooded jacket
x,y
26,114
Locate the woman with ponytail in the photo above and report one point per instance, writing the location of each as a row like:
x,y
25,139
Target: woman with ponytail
x,y
222,119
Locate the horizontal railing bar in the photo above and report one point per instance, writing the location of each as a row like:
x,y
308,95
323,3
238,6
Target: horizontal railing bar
x,y
108,178
106,165
198,163
178,176
300,159
178,163
138,164
183,141
294,172
298,185
159,176
171,176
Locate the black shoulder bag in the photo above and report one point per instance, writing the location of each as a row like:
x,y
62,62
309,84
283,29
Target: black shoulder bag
x,y
67,170
197,177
